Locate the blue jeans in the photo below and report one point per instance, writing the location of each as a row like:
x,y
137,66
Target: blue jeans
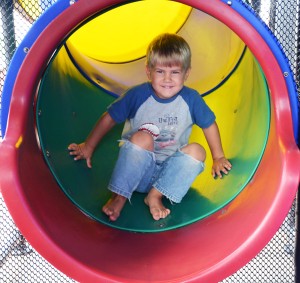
x,y
137,170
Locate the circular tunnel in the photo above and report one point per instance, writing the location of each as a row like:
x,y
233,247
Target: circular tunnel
x,y
74,62
88,75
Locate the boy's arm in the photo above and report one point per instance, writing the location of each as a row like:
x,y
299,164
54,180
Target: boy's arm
x,y
220,163
86,149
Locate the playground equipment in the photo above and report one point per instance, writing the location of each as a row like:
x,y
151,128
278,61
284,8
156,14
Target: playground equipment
x,y
56,203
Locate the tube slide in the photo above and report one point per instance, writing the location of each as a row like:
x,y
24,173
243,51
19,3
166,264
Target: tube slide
x,y
73,63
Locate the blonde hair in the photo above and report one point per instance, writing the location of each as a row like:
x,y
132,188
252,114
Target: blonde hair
x,y
168,50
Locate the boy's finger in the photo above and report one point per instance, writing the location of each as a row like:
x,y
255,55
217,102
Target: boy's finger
x,y
228,166
213,172
225,171
89,163
72,146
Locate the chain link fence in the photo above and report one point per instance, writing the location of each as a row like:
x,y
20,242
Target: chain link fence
x,y
19,262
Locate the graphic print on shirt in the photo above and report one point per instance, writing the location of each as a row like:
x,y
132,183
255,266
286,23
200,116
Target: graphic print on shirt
x,y
173,120
168,125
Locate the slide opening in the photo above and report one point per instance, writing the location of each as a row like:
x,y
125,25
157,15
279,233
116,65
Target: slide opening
x,y
89,74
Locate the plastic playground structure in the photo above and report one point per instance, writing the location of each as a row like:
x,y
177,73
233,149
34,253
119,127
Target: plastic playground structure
x,y
60,80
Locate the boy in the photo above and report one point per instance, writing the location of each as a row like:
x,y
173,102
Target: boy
x,y
155,157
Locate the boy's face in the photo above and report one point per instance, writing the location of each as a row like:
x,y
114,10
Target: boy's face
x,y
167,81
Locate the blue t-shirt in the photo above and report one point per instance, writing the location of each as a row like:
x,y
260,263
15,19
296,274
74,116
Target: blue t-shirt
x,y
174,116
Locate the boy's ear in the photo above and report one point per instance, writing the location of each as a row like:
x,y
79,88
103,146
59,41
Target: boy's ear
x,y
148,73
187,73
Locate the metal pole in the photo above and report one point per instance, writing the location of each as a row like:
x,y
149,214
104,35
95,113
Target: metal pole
x,y
7,18
272,23
256,4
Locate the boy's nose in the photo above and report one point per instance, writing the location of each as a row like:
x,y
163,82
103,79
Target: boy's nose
x,y
167,76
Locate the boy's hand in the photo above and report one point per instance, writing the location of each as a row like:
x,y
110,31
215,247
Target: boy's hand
x,y
220,165
81,151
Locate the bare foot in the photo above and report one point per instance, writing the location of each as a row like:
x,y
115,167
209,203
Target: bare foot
x,y
154,201
114,206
